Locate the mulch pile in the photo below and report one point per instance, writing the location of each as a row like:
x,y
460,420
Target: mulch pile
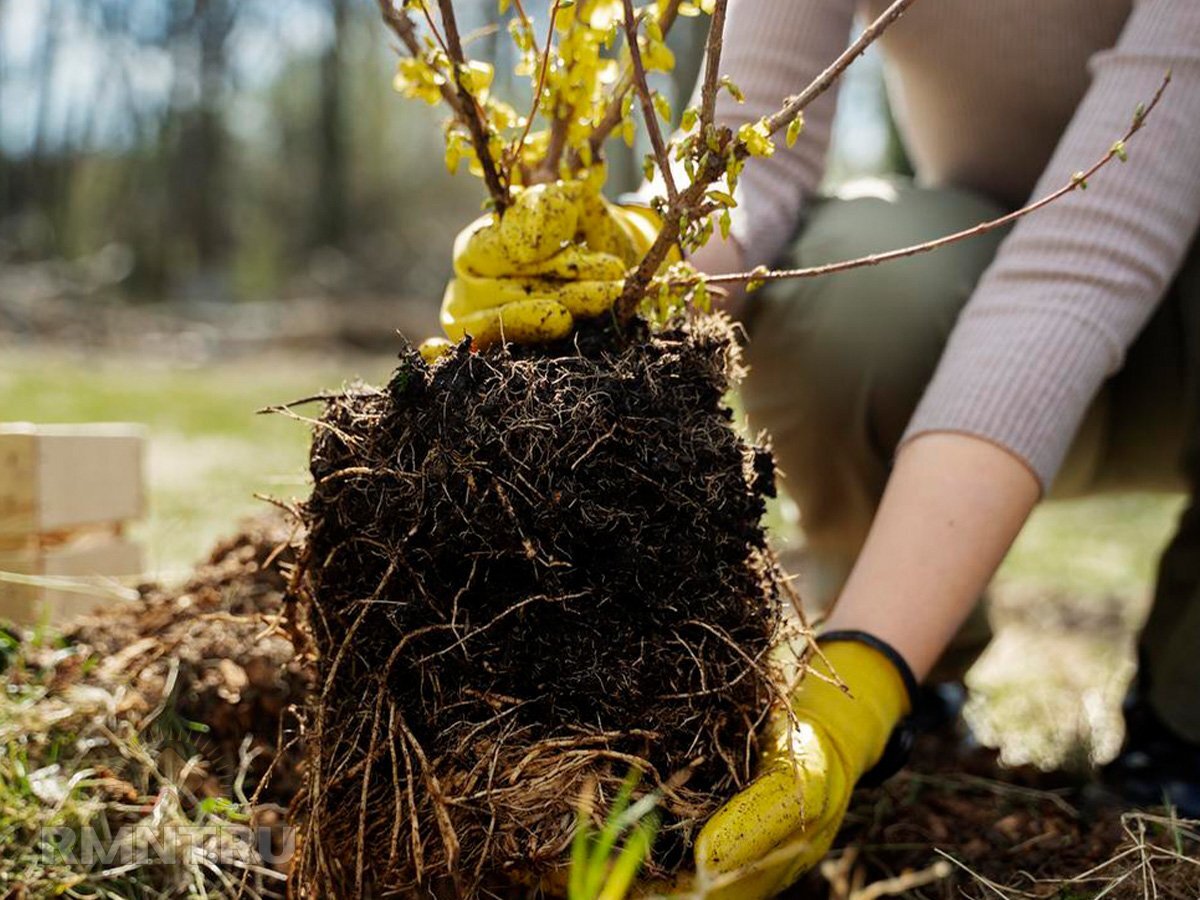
x,y
1006,834
527,573
205,662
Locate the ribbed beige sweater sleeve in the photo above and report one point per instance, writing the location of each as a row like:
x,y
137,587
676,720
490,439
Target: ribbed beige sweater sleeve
x,y
774,48
1074,284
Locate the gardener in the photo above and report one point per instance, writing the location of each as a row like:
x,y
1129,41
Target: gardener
x,y
921,409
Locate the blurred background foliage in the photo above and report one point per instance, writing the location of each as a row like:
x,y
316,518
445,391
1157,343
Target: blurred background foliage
x,y
216,151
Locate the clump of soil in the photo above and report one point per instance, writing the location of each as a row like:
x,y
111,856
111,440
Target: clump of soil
x,y
527,573
206,660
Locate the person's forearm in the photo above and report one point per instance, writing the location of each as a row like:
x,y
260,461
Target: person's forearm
x,y
952,508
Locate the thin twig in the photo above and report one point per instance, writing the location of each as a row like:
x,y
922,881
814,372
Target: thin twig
x,y
794,106
1078,181
526,21
555,147
402,26
514,152
433,29
649,114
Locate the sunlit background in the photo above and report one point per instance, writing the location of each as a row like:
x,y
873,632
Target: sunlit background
x,y
223,151
210,206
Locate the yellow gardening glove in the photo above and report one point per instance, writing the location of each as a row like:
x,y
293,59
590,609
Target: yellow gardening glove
x,y
783,823
559,253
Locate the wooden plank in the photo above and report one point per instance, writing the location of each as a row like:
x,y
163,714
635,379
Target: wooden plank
x,y
18,483
60,478
91,565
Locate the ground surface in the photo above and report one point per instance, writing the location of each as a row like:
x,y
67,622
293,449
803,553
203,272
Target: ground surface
x,y
968,827
1046,691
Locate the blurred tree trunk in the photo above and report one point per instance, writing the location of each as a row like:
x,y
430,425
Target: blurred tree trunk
x,y
6,174
200,152
47,59
42,186
331,201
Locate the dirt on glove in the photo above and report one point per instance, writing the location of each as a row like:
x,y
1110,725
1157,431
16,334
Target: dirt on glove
x,y
527,573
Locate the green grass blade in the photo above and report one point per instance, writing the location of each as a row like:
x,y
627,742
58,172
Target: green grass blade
x,y
629,862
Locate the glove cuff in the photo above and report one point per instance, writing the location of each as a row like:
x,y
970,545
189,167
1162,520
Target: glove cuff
x,y
899,745
883,647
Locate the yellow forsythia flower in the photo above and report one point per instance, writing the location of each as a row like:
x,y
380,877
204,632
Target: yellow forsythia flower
x,y
757,138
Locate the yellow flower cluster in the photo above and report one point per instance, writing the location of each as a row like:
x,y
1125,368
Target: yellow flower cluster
x,y
575,80
420,79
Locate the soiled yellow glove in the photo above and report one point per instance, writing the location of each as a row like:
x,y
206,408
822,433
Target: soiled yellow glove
x,y
784,822
560,252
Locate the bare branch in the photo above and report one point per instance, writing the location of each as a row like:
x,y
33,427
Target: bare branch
x,y
471,112
794,106
643,91
1077,182
712,66
548,170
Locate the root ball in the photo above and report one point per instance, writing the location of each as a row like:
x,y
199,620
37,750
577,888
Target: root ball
x,y
528,572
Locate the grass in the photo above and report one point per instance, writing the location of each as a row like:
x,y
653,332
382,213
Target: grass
x,y
1094,546
91,805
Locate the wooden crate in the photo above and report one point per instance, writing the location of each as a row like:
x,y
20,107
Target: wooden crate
x,y
66,494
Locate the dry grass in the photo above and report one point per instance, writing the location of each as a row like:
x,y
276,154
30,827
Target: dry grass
x,y
132,749
82,765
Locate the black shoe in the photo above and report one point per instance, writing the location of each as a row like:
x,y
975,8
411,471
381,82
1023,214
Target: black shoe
x,y
1156,767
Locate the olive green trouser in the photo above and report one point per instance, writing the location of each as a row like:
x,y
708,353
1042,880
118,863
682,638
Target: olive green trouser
x,y
837,365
